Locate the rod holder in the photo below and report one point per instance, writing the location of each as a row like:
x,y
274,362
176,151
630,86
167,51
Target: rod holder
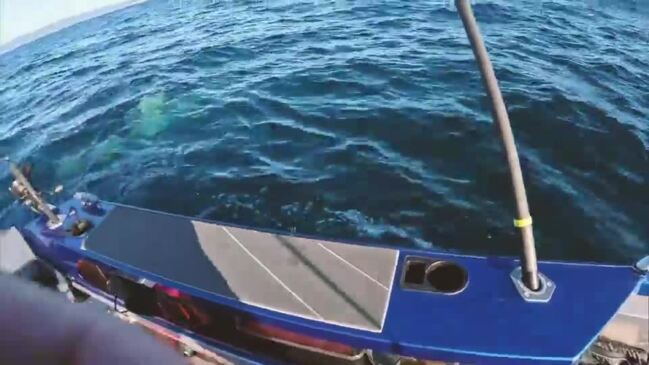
x,y
32,195
541,295
523,221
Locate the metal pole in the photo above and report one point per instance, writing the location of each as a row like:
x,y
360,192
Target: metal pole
x,y
523,220
41,204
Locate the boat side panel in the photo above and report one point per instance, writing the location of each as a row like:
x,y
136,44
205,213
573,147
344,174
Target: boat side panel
x,y
486,323
229,353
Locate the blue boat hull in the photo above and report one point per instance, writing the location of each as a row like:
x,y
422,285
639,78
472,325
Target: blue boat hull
x,y
487,322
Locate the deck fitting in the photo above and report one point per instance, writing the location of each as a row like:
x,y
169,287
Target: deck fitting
x,y
642,265
542,295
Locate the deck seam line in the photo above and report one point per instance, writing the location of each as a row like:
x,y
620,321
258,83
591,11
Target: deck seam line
x,y
245,249
353,267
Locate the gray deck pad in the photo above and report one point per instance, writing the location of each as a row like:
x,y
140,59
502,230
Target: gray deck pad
x,y
342,284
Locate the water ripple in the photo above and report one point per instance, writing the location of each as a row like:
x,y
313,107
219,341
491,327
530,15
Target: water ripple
x,y
354,120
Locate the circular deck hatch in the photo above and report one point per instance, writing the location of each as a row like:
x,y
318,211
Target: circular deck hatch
x,y
446,277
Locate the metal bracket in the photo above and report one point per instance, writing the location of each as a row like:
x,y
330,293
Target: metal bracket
x,y
543,295
26,193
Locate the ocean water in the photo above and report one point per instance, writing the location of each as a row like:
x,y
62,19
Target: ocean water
x,y
359,120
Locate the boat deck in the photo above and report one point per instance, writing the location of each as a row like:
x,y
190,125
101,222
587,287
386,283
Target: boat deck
x,y
337,283
341,292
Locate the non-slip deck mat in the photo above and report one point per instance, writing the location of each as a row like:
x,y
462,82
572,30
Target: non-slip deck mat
x,y
343,284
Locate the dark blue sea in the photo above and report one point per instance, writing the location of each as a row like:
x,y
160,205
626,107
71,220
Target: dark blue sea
x,y
350,119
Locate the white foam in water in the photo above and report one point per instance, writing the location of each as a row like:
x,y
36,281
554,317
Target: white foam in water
x,y
104,152
152,117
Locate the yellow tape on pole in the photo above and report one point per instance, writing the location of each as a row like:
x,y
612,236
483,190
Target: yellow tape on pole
x,y
520,223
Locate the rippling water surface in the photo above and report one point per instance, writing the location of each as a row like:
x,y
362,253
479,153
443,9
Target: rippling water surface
x,y
349,119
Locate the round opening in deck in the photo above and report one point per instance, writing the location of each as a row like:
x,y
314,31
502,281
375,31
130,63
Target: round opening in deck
x,y
446,277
